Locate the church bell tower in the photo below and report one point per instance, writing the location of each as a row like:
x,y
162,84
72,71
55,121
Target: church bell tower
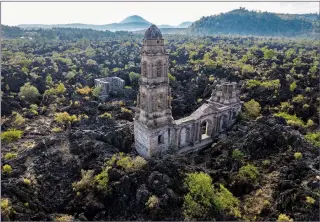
x,y
153,119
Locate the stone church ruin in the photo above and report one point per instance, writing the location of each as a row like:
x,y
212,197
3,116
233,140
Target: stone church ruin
x,y
109,85
155,130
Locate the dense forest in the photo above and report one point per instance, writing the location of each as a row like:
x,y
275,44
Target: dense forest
x,y
244,22
68,156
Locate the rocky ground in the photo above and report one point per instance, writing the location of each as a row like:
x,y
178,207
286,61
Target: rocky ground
x,y
52,162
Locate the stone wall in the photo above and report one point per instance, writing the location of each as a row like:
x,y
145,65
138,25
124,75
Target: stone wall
x,y
108,85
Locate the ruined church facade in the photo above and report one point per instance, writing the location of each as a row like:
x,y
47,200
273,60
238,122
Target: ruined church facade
x,y
155,130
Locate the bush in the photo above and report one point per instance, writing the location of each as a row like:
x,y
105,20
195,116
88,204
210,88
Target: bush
x,y
266,163
9,156
29,92
284,218
293,86
11,135
299,99
102,180
298,156
124,110
65,218
126,162
58,90
7,169
237,155
56,130
310,200
252,108
152,202
18,119
96,91
27,181
199,199
65,118
6,208
285,106
269,84
225,201
106,115
248,173
171,77
313,138
84,91
86,181
292,120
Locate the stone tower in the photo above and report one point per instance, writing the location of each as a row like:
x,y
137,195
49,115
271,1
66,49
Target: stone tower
x,y
153,120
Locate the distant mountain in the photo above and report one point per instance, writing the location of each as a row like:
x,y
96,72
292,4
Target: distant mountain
x,y
131,23
244,22
134,19
184,24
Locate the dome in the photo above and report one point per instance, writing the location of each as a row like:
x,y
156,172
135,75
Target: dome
x,y
153,33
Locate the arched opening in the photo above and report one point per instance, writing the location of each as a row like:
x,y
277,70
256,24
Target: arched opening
x,y
204,130
160,139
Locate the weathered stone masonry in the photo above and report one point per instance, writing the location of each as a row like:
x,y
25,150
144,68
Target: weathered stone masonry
x,y
155,131
109,84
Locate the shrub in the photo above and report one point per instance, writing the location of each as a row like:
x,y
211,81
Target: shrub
x,y
124,110
313,138
152,202
9,156
106,115
299,99
6,208
65,118
96,91
225,201
284,218
29,92
84,91
58,90
86,181
7,169
127,163
65,218
266,163
310,123
269,84
237,155
102,180
27,181
11,135
34,109
285,106
248,173
18,119
252,108
247,68
310,200
199,199
56,130
298,156
293,86
292,120
171,77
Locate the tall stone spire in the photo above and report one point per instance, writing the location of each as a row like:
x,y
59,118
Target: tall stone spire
x,y
153,116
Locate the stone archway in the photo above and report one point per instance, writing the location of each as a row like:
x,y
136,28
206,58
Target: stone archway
x,y
205,129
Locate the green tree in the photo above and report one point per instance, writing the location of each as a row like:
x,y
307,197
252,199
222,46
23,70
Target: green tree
x,y
29,92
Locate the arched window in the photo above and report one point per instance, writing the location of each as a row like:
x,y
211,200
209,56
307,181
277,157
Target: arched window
x,y
204,130
144,69
159,66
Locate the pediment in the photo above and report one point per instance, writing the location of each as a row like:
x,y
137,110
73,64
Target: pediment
x,y
203,110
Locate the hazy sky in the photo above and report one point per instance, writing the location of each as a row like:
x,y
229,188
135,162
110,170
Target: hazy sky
x,y
172,13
